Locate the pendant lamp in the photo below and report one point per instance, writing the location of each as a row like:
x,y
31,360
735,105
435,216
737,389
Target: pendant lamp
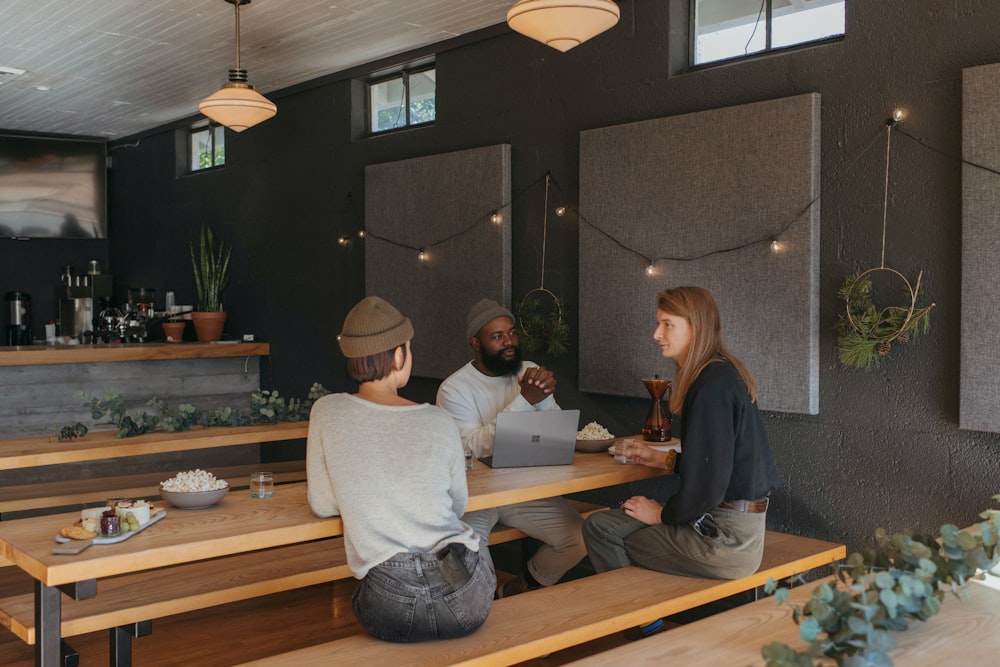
x,y
237,105
562,24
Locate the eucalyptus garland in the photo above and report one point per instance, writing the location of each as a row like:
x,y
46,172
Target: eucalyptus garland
x,y
866,333
266,407
880,591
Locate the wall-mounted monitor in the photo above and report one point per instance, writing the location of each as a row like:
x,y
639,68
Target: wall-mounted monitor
x,y
52,188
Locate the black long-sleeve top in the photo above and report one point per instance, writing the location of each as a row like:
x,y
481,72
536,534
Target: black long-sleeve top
x,y
726,453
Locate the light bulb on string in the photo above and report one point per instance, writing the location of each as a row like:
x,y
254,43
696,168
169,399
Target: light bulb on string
x,y
496,218
361,233
898,114
777,246
650,270
422,255
344,241
561,211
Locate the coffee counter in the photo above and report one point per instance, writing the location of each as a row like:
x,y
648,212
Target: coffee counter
x,y
34,355
43,384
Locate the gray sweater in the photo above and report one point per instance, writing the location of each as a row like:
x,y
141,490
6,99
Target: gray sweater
x,y
395,475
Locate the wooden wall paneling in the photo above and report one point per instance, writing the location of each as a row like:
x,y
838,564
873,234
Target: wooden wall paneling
x,y
442,203
713,187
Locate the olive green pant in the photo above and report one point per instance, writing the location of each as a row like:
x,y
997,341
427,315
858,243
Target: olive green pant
x,y
726,545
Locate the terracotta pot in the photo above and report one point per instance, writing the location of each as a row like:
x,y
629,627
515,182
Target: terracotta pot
x,y
208,325
174,331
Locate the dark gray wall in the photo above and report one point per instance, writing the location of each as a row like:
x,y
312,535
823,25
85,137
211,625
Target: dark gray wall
x,y
885,449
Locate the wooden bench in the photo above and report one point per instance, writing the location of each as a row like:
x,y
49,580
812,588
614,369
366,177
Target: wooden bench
x,y
128,603
551,619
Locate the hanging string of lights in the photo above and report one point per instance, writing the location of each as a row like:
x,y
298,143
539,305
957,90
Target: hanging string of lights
x,y
773,241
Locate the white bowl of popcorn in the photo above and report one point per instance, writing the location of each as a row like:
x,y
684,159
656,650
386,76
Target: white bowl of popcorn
x,y
193,490
593,438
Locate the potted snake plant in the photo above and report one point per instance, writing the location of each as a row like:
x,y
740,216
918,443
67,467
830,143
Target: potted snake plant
x,y
211,276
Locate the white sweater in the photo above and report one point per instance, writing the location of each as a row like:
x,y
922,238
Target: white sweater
x,y
395,475
474,399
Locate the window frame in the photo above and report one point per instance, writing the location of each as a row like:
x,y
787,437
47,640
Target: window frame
x,y
214,130
404,76
768,18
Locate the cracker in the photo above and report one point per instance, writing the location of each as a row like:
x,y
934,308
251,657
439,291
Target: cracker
x,y
76,532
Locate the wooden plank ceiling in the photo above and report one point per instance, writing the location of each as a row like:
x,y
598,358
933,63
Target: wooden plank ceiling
x,y
111,68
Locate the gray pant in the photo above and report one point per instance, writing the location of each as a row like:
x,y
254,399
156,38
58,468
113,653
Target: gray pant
x,y
553,521
615,540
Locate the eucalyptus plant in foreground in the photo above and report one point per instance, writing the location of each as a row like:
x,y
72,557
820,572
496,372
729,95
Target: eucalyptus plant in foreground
x,y
880,591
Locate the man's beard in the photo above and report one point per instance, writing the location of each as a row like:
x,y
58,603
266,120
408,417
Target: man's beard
x,y
498,365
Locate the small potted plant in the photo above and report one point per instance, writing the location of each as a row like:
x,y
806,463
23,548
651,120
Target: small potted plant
x,y
173,328
211,275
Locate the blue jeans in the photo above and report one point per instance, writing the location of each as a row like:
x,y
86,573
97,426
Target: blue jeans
x,y
414,597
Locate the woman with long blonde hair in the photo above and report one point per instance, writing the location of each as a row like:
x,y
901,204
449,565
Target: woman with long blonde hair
x,y
713,526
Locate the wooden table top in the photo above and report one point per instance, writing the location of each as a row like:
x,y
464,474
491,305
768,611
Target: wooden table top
x,y
965,632
239,523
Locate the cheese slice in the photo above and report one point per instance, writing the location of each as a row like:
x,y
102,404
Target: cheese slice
x,y
92,513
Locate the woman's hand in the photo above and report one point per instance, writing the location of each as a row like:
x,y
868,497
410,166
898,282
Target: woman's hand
x,y
639,452
643,509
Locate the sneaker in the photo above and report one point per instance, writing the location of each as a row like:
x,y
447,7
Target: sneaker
x,y
643,631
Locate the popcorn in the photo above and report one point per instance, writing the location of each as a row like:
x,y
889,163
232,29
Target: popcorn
x,y
594,431
193,480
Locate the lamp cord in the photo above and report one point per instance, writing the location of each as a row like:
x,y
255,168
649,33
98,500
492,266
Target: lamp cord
x,y
237,4
545,226
885,200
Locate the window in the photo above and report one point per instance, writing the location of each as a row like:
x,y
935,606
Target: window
x,y
208,146
726,29
402,100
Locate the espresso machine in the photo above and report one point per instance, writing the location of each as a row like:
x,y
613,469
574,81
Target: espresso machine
x,y
77,299
18,318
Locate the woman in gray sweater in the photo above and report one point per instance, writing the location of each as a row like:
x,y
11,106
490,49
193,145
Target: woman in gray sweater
x,y
394,471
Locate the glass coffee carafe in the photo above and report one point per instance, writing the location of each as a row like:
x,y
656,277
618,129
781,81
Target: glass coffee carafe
x,y
657,426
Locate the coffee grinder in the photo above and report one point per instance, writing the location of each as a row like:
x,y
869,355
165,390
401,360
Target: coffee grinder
x,y
18,319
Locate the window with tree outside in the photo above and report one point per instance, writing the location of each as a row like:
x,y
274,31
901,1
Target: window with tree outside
x,y
208,146
726,29
403,100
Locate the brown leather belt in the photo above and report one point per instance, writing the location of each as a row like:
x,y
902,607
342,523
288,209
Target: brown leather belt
x,y
751,506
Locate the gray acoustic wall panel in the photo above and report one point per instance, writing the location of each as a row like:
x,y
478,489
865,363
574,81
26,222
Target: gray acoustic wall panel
x,y
979,393
710,190
443,204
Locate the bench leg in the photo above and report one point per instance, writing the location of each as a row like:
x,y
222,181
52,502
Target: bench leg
x,y
121,641
70,658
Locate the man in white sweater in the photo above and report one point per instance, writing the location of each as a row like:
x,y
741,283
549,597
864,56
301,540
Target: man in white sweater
x,y
497,380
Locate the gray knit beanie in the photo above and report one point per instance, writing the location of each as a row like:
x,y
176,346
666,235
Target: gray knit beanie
x,y
481,313
373,326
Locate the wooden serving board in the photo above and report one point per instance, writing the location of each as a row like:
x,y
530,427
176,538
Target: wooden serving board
x,y
117,538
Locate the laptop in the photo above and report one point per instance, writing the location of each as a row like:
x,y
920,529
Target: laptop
x,y
538,438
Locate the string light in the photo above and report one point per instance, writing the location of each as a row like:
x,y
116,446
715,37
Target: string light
x,y
898,114
650,270
561,211
777,246
494,217
422,255
344,241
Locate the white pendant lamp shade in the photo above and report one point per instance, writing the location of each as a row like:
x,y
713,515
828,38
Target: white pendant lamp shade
x,y
237,106
562,24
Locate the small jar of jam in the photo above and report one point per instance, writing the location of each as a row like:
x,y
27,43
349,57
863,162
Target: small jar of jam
x,y
111,524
